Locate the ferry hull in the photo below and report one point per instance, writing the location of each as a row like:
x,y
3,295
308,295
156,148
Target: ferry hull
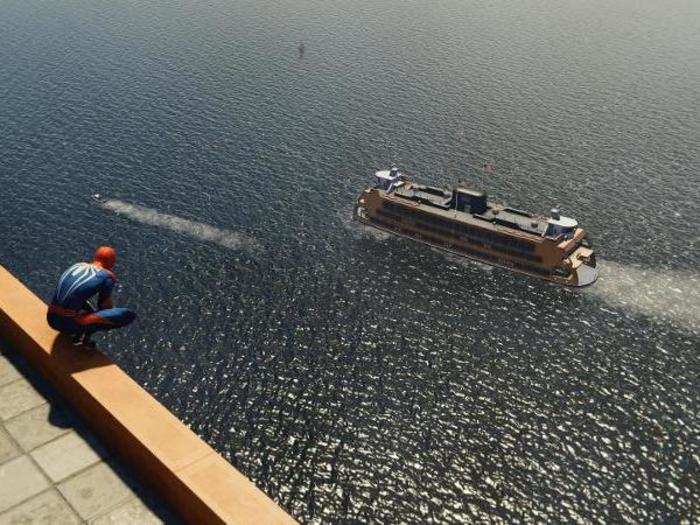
x,y
583,275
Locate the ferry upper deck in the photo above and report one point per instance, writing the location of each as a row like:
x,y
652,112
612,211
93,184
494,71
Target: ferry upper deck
x,y
473,207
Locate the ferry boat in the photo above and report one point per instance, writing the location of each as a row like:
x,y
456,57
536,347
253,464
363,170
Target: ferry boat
x,y
464,222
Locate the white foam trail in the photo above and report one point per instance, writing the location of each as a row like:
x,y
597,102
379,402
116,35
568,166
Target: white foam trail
x,y
665,294
661,294
464,262
357,229
198,230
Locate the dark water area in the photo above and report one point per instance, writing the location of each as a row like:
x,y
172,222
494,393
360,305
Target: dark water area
x,y
355,376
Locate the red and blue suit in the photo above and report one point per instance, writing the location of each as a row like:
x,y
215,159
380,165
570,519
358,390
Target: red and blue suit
x,y
71,313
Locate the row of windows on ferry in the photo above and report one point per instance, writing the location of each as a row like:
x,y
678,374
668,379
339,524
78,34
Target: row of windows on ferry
x,y
446,227
480,254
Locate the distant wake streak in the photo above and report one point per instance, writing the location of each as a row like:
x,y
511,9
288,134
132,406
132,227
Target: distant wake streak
x,y
198,230
665,294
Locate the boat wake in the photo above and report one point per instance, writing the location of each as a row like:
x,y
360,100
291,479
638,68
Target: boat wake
x,y
667,295
198,230
663,294
464,262
359,230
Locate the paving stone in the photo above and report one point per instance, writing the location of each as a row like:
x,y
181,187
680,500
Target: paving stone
x,y
48,507
17,397
8,372
8,450
135,512
96,491
20,479
67,455
40,425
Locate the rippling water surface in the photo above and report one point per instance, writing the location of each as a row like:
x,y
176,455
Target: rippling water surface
x,y
351,375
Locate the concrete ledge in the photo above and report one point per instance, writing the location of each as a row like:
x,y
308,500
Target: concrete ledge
x,y
199,484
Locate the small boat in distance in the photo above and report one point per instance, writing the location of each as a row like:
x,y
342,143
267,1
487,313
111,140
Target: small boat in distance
x,y
463,221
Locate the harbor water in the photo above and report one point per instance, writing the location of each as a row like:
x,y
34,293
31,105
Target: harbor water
x,y
355,376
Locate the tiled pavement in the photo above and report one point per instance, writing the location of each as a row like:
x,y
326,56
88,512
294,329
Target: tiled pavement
x,y
52,470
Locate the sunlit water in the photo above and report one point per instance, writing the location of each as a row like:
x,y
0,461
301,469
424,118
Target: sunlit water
x,y
350,374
